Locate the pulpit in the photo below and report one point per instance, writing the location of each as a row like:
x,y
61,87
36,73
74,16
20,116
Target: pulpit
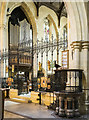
x,y
68,89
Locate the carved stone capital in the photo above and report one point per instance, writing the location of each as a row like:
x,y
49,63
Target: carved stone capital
x,y
80,45
76,45
85,45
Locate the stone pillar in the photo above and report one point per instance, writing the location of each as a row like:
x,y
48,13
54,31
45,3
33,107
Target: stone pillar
x,y
70,107
76,46
57,107
85,47
76,106
62,107
1,53
35,65
3,48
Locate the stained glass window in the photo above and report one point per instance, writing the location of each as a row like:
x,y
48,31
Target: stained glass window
x,y
46,29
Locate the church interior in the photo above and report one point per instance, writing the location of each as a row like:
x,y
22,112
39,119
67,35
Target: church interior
x,y
44,54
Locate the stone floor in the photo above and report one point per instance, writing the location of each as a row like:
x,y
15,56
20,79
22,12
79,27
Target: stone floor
x,y
31,110
11,115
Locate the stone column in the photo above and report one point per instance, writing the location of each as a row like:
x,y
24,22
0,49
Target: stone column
x,y
62,107
57,106
3,48
35,65
85,57
76,46
70,107
76,106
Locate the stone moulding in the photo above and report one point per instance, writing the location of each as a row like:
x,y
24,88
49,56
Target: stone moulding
x,y
80,45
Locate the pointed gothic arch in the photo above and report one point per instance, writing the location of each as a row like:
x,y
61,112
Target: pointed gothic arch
x,y
52,21
27,11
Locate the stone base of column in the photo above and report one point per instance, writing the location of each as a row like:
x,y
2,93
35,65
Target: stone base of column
x,y
82,107
87,105
70,113
62,113
76,113
57,110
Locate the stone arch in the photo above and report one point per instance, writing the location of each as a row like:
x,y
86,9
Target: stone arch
x,y
78,20
51,19
2,12
83,19
45,12
77,17
28,14
71,17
